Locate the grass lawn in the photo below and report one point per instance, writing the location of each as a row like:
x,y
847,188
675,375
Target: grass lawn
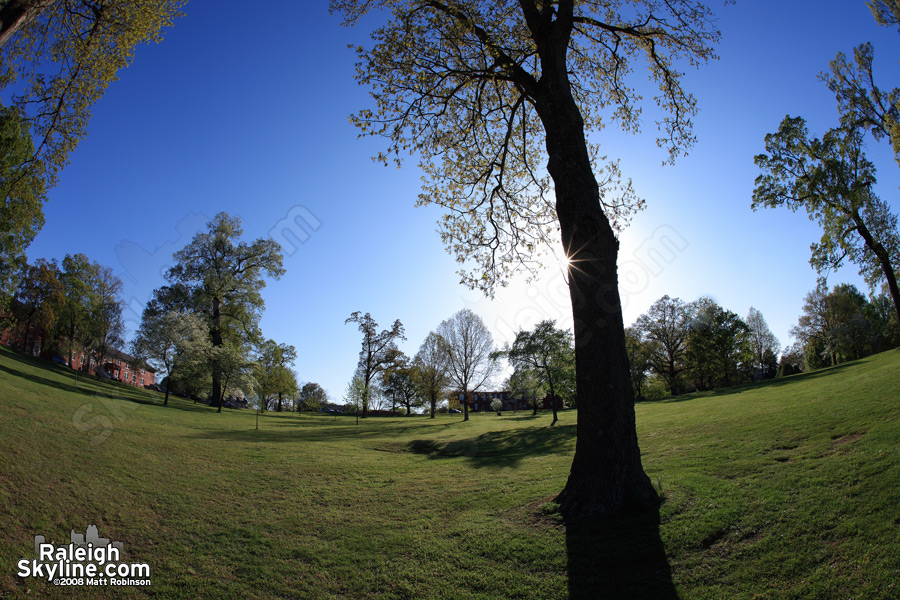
x,y
789,489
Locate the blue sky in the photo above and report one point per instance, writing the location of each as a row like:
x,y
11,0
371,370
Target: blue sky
x,y
248,113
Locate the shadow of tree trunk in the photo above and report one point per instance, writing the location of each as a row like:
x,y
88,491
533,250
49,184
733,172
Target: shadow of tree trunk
x,y
621,558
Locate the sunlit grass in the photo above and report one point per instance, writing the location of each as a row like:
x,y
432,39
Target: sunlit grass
x,y
784,490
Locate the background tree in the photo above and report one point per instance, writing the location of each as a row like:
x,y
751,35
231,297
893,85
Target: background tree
x,y
431,373
274,377
497,405
832,327
40,299
764,345
223,276
665,328
24,193
883,323
792,360
105,323
400,382
832,180
171,343
355,394
59,56
468,345
638,360
236,369
379,350
312,397
75,314
549,352
488,94
716,345
527,383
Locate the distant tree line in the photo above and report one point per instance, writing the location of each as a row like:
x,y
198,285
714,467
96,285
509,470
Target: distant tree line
x,y
677,347
65,309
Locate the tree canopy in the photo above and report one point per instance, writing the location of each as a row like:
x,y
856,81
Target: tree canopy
x,y
550,353
23,193
57,57
222,277
469,346
379,351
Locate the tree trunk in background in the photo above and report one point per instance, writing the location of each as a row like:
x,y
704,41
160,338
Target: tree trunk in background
x,y
216,332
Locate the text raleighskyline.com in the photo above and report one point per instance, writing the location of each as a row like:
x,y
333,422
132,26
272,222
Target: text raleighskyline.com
x,y
80,563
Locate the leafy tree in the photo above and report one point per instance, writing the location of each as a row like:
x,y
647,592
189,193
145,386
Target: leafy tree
x,y
74,317
356,394
469,345
792,360
23,192
223,277
235,367
312,396
173,343
274,377
638,360
379,350
497,405
105,324
717,344
528,384
884,326
40,300
401,383
832,180
832,327
548,351
665,328
763,344
59,56
431,373
488,94
886,12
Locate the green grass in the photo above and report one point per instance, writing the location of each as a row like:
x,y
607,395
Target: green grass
x,y
782,490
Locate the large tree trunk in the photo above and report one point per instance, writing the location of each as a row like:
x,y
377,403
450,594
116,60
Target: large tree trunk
x,y
606,475
884,260
15,14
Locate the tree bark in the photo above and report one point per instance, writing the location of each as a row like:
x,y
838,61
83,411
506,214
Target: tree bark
x,y
607,476
884,260
553,397
15,14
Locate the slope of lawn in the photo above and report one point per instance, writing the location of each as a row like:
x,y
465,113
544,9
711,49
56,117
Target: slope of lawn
x,y
789,489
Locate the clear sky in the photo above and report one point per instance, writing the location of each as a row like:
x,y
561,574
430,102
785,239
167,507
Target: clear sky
x,y
247,112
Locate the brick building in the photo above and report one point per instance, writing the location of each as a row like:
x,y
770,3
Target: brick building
x,y
117,365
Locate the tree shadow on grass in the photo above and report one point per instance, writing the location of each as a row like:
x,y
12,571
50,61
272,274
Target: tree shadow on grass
x,y
500,448
54,383
83,385
320,429
618,558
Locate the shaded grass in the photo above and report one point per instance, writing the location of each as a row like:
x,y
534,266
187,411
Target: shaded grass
x,y
781,490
